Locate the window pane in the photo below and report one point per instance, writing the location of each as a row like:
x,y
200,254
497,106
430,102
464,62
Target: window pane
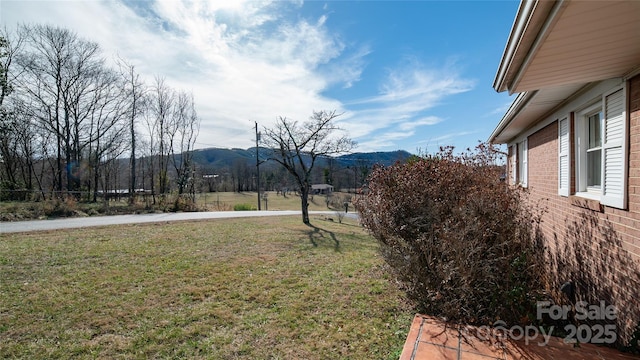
x,y
594,163
520,164
595,139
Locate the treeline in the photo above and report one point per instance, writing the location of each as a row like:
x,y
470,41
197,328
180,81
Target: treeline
x,y
76,123
241,174
68,116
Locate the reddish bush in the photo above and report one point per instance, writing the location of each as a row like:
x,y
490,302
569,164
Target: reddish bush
x,y
456,236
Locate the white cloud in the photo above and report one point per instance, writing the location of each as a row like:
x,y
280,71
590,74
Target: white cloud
x,y
404,101
251,61
347,69
419,87
384,140
501,110
243,60
445,139
410,125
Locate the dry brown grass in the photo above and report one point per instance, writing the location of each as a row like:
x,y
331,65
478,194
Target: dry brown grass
x,y
254,288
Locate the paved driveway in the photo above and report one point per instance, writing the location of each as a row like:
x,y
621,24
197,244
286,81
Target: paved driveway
x,y
68,223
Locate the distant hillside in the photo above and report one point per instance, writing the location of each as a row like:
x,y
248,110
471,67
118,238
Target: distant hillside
x,y
385,158
221,158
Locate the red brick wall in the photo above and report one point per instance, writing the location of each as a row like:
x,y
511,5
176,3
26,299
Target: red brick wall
x,y
543,179
609,259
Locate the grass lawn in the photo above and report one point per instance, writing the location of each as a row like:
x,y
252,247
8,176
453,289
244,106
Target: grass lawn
x,y
274,201
254,288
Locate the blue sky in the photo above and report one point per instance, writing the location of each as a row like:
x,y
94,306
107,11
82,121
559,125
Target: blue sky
x,y
411,75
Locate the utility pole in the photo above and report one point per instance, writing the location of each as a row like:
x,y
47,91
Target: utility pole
x,y
258,164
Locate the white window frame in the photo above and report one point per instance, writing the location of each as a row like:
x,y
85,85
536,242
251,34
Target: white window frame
x,y
522,166
613,149
582,140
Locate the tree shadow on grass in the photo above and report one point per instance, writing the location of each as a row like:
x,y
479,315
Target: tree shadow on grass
x,y
317,235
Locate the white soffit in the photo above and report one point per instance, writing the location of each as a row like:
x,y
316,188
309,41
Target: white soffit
x,y
589,41
537,107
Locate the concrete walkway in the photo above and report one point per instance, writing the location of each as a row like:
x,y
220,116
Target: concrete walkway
x,y
431,339
69,223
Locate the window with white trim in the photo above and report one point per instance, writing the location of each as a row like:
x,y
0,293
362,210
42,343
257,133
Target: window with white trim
x,y
522,163
589,155
519,163
601,166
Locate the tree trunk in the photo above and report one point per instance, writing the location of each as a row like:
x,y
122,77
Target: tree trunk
x,y
132,130
304,196
59,162
153,179
132,176
96,176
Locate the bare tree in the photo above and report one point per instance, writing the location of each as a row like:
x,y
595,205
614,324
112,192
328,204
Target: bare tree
x,y
10,46
297,146
135,92
65,112
58,72
162,102
152,152
12,130
182,134
89,91
42,147
17,147
114,145
5,63
107,124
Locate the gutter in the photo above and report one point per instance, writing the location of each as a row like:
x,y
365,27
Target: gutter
x,y
515,35
534,21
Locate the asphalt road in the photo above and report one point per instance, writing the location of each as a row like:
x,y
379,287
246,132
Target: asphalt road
x,y
69,223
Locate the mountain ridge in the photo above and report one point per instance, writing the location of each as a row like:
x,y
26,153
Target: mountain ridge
x,y
225,157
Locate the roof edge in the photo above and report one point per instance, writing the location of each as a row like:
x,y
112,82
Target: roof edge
x,y
517,29
516,106
546,25
530,28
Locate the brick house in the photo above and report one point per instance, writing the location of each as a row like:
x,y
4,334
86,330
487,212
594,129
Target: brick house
x,y
573,138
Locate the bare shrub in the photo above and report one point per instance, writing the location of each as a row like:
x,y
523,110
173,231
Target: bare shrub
x,y
184,202
460,240
338,201
56,207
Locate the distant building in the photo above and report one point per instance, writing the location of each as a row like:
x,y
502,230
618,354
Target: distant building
x,y
321,189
